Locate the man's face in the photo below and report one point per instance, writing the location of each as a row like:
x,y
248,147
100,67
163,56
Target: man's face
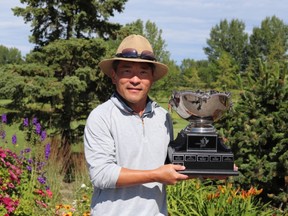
x,y
133,81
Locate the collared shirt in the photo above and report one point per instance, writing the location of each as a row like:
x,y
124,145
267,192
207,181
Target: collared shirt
x,y
115,136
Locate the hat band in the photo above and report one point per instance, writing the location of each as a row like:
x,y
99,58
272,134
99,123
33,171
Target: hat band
x,y
132,53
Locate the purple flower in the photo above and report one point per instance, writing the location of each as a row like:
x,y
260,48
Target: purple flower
x,y
38,128
29,168
41,179
40,165
47,151
34,121
27,150
30,161
3,134
26,122
14,139
43,135
4,118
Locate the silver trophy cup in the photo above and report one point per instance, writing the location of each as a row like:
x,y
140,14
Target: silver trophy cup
x,y
198,146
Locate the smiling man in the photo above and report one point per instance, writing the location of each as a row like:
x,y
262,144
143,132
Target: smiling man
x,y
126,138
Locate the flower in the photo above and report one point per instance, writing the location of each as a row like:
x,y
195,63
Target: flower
x,y
49,193
23,172
9,204
3,134
4,118
43,135
34,121
42,179
38,128
26,122
14,139
47,151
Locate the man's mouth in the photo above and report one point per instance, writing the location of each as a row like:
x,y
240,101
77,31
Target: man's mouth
x,y
134,89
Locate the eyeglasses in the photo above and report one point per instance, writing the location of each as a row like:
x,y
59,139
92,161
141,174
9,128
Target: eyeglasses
x,y
132,53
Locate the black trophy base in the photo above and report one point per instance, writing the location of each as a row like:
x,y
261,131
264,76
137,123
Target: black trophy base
x,y
205,164
209,173
203,154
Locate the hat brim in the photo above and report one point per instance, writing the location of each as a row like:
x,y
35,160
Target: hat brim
x,y
160,69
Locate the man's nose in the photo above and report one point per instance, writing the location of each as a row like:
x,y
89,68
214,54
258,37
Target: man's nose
x,y
135,79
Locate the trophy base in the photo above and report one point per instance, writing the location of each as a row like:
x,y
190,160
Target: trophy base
x,y
202,154
205,164
208,173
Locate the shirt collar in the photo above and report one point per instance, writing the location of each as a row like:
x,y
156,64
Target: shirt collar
x,y
148,108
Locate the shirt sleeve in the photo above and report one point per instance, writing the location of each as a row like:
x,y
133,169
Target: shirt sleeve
x,y
99,151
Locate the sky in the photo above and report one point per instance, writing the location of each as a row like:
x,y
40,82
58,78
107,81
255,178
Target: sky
x,y
185,24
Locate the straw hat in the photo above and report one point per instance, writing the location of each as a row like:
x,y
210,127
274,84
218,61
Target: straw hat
x,y
135,48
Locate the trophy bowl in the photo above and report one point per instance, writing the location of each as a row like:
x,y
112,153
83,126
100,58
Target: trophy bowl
x,y
198,146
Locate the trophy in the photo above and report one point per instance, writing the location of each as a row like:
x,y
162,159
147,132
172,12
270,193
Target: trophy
x,y
198,147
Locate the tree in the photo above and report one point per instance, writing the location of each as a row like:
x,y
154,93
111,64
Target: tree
x,y
53,20
62,84
190,75
62,70
9,55
257,131
229,38
225,73
269,42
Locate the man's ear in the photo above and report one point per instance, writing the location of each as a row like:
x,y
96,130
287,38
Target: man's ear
x,y
113,77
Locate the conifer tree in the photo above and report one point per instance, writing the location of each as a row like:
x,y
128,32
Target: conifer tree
x,y
257,131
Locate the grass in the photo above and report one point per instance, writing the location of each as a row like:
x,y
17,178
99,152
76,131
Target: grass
x,y
178,122
14,130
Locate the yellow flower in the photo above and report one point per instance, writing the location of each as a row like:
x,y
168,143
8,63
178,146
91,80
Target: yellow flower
x,y
59,206
86,214
234,192
251,192
67,207
221,189
85,197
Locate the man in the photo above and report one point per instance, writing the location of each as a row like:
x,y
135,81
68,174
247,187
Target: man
x,y
126,138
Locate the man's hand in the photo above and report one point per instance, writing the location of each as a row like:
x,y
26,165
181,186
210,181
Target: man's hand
x,y
167,174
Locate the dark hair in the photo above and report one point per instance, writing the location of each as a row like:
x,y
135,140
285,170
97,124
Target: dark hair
x,y
115,65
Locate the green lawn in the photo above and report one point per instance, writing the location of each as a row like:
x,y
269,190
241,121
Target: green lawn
x,y
178,122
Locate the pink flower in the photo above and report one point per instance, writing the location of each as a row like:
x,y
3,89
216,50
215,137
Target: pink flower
x,y
2,154
41,203
13,176
10,185
49,193
10,205
40,192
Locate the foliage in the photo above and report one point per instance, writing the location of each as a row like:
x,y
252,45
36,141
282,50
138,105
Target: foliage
x,y
53,20
9,55
257,131
80,206
225,71
65,76
193,197
228,37
24,188
190,75
269,42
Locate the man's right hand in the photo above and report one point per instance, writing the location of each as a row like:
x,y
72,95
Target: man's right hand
x,y
167,174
